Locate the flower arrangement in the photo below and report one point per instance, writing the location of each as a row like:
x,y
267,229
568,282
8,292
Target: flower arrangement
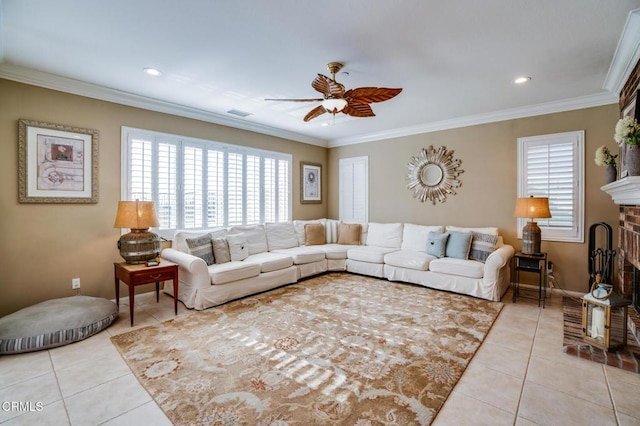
x,y
604,157
627,131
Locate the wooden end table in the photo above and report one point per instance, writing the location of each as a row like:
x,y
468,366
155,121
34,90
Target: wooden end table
x,y
133,275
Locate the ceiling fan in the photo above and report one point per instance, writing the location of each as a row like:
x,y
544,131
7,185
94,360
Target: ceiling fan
x,y
353,102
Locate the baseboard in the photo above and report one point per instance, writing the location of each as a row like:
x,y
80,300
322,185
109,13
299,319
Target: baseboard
x,y
554,290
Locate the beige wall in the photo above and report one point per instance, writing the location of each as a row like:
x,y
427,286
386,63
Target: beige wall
x,y
489,182
45,246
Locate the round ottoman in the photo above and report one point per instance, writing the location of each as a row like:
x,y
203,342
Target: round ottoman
x,y
55,323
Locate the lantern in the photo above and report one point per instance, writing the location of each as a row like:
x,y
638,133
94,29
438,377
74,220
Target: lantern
x,y
604,318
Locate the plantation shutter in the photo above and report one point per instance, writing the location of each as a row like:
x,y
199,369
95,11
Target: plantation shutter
x,y
354,192
552,166
200,184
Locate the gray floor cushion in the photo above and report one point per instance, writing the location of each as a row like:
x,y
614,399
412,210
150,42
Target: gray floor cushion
x,y
55,323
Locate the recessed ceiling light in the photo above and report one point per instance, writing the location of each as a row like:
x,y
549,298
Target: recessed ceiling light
x,y
325,124
521,80
152,71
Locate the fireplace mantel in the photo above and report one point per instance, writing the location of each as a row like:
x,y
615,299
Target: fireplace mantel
x,y
625,191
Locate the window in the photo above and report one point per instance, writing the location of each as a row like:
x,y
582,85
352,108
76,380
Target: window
x,y
198,184
553,166
354,189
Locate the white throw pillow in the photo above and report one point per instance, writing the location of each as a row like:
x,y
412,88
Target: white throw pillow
x,y
281,235
238,246
414,237
255,236
385,235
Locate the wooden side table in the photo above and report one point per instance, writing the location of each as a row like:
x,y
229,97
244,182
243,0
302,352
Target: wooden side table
x,y
133,275
536,264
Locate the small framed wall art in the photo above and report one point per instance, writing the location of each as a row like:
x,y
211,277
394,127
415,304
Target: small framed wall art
x,y
56,163
310,183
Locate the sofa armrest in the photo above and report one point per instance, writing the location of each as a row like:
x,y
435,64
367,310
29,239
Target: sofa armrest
x,y
191,269
496,261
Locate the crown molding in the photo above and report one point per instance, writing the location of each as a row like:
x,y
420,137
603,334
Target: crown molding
x,y
626,55
581,102
76,87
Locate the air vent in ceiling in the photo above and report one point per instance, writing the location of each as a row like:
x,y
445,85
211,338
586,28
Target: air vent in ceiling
x,y
239,113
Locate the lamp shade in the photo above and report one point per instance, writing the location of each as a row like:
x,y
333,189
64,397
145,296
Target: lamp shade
x,y
532,207
136,215
334,105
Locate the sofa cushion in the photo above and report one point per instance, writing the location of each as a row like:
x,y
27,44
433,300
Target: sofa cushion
x,y
458,245
414,237
256,237
201,247
281,235
314,234
270,261
371,254
233,271
349,233
460,267
437,244
298,225
336,251
482,245
409,259
221,250
486,230
385,235
302,255
238,247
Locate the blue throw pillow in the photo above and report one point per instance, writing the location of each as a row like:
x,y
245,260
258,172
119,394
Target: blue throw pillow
x,y
437,243
458,245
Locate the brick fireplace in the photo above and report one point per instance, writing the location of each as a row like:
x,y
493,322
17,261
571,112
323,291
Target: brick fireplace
x,y
626,193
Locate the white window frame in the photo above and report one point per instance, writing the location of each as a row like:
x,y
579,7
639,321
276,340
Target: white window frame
x,y
354,172
283,201
577,140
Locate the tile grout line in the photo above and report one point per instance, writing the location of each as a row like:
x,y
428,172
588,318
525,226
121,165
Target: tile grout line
x,y
526,372
55,374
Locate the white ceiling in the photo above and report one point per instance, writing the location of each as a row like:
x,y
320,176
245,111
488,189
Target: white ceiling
x,y
455,60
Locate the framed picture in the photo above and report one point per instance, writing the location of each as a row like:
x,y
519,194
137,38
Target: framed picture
x,y
57,163
629,110
311,183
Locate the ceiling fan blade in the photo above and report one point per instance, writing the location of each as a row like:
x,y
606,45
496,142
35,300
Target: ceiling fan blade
x,y
370,94
327,86
358,110
317,111
297,100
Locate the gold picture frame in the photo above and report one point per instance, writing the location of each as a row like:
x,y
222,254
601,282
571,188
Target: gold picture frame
x,y
57,164
310,183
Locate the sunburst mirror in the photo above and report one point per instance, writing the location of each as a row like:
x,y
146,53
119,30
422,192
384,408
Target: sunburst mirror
x,y
433,174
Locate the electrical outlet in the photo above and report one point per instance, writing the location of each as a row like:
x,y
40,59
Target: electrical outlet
x,y
75,283
549,268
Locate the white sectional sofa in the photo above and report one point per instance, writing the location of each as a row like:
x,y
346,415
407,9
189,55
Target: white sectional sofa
x,y
276,254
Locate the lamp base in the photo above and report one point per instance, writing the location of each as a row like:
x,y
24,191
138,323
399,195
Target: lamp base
x,y
531,238
139,246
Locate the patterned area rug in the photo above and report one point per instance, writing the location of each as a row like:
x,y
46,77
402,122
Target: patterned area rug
x,y
335,349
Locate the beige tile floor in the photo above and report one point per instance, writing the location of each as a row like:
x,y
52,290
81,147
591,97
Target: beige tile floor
x,y
519,376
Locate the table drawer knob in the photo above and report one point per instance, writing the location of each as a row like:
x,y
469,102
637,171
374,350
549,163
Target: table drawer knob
x,y
155,277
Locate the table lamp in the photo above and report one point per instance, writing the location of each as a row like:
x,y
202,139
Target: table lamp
x,y
139,245
531,208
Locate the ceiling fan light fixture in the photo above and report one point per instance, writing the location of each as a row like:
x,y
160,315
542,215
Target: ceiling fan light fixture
x,y
334,105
